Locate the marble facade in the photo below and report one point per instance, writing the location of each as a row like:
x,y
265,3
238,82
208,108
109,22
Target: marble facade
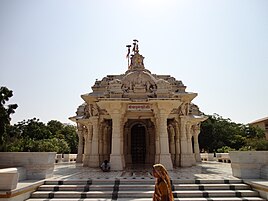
x,y
138,118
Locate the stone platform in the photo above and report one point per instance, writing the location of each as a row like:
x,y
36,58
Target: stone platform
x,y
204,170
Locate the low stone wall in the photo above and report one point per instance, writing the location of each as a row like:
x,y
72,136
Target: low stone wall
x,y
264,172
249,164
38,165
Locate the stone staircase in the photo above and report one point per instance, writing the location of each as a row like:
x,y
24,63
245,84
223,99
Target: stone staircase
x,y
141,189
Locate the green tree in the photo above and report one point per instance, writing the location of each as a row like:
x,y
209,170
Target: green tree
x,y
5,112
223,135
70,136
217,132
66,132
255,139
33,129
54,145
33,135
55,127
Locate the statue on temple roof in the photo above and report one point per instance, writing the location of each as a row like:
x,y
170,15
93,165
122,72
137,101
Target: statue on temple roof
x,y
136,60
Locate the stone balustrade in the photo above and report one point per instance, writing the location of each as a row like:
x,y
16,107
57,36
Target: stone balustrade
x,y
65,158
220,157
223,157
207,156
69,157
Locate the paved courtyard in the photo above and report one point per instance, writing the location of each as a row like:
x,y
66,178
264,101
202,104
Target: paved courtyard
x,y
203,170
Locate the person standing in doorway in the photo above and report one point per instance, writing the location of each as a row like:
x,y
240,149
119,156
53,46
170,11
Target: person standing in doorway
x,y
163,190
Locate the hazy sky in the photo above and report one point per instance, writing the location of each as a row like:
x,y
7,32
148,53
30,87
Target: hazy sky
x,y
52,51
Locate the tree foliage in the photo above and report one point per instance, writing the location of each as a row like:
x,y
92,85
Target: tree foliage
x,y
5,112
221,135
33,135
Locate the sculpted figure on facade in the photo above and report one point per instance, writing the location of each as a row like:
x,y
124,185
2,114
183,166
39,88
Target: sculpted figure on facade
x,y
138,81
163,84
94,109
136,61
194,110
97,83
163,88
81,110
196,128
104,81
184,109
115,86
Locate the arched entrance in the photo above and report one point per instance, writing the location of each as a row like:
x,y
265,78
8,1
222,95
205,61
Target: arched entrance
x,y
138,144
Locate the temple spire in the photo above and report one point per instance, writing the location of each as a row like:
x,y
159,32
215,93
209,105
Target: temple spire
x,y
136,60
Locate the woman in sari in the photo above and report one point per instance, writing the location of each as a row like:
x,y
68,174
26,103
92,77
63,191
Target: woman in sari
x,y
162,191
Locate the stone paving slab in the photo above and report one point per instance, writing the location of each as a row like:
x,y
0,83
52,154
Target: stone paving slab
x,y
205,170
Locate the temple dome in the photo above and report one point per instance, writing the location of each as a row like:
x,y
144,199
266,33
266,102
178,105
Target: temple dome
x,y
138,77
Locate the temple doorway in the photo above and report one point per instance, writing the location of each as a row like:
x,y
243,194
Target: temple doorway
x,y
138,144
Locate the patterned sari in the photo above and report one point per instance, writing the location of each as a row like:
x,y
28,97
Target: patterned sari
x,y
163,190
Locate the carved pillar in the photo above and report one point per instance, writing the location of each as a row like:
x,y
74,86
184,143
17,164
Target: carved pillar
x,y
186,157
190,143
122,140
116,157
88,144
79,157
116,109
183,136
101,146
94,159
165,157
162,109
196,144
178,146
157,140
189,138
172,142
151,143
109,139
105,143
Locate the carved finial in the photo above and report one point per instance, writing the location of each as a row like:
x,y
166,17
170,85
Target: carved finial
x,y
135,46
128,52
135,61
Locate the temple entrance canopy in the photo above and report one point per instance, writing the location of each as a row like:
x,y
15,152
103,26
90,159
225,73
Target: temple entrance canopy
x,y
138,118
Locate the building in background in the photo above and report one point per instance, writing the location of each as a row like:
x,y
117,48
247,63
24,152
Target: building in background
x,y
262,124
138,118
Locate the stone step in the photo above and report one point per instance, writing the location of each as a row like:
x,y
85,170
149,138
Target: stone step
x,y
140,189
105,187
142,194
139,181
150,199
